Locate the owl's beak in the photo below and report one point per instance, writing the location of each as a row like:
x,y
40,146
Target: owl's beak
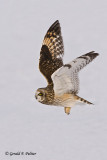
x,y
35,96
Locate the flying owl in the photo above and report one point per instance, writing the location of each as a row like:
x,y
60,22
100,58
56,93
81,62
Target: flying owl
x,y
63,81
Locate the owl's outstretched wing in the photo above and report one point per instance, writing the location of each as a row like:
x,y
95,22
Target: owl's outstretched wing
x,y
65,79
52,51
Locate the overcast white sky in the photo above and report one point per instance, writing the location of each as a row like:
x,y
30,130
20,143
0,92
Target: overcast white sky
x,y
25,124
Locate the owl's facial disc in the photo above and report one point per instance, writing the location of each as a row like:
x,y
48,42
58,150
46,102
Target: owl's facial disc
x,y
39,96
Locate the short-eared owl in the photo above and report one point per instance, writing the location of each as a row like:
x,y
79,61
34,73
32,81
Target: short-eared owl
x,y
63,82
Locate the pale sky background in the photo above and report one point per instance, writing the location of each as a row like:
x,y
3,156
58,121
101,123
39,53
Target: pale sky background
x,y
25,124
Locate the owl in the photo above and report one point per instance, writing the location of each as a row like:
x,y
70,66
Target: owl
x,y
63,82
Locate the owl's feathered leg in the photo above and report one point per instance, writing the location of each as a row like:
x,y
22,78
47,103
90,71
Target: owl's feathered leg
x,y
67,110
82,100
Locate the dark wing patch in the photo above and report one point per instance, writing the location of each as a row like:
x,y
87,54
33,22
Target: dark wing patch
x,y
67,65
52,51
47,65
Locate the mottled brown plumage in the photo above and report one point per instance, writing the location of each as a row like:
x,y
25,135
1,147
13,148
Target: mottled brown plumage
x,y
51,52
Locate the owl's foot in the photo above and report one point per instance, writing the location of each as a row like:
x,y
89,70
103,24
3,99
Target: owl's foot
x,y
67,110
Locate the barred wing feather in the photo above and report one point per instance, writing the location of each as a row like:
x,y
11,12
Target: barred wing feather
x,y
65,79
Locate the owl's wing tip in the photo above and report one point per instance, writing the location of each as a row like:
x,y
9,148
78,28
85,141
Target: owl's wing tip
x,y
57,20
93,52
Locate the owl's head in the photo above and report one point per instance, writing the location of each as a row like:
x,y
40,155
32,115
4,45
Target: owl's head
x,y
40,95
45,95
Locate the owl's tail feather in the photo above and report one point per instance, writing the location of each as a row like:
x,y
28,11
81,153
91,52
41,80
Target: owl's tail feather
x,y
82,100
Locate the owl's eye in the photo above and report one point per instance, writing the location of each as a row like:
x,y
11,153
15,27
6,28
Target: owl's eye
x,y
40,94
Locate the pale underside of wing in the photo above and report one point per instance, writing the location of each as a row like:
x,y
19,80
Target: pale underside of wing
x,y
65,79
51,55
